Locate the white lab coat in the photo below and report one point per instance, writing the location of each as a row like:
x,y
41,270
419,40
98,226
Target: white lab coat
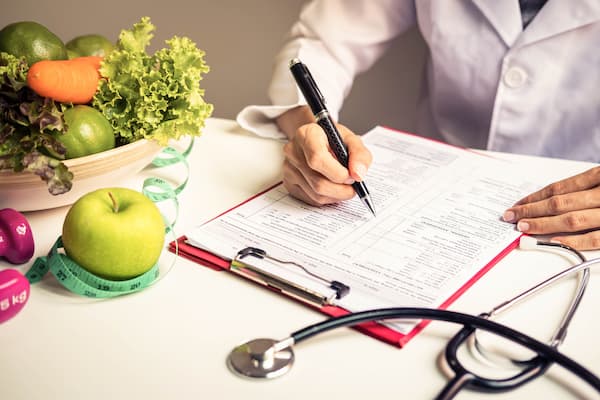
x,y
489,84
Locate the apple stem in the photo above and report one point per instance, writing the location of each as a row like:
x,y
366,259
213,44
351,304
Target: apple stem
x,y
114,202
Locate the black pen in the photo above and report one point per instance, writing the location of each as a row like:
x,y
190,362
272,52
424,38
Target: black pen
x,y
316,102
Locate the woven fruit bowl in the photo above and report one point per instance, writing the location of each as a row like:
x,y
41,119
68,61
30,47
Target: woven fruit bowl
x,y
25,191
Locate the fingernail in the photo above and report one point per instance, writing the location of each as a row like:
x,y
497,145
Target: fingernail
x,y
508,216
360,170
522,226
349,181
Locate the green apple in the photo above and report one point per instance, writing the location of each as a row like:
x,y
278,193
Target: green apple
x,y
115,233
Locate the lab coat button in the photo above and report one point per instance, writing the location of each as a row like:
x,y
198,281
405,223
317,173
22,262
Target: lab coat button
x,y
515,77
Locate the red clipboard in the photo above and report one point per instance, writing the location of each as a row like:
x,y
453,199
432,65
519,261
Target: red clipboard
x,y
373,329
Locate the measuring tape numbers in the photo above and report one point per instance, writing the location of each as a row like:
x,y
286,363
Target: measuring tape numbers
x,y
76,279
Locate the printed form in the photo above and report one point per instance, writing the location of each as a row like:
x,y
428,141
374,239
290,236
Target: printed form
x,y
438,224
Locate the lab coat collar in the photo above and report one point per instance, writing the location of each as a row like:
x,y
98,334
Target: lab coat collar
x,y
505,17
555,17
558,16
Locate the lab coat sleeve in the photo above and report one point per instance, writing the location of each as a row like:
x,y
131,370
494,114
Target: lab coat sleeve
x,y
337,40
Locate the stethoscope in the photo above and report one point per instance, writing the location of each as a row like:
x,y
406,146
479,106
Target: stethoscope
x,y
269,358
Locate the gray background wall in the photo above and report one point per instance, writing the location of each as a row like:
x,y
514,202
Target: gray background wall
x,y
240,39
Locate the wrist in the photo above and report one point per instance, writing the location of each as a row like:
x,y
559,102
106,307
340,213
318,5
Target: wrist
x,y
291,120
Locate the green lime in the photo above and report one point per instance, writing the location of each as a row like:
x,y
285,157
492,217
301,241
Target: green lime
x,y
71,54
88,132
89,45
33,41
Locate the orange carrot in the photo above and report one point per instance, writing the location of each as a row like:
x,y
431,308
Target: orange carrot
x,y
67,81
92,60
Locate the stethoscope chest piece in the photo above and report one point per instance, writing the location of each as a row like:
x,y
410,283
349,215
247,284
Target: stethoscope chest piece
x,y
257,359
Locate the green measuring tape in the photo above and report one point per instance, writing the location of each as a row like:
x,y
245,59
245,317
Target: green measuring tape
x,y
78,280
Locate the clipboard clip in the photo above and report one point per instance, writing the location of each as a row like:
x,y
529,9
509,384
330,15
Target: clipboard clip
x,y
257,274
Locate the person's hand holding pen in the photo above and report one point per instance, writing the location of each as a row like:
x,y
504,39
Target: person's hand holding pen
x,y
311,172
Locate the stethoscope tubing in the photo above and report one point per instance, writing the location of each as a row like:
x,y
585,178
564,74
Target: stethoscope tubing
x,y
560,334
546,354
530,370
476,322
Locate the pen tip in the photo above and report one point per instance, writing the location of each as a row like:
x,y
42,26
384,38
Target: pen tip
x,y
370,206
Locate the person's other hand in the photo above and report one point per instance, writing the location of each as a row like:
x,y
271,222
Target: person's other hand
x,y
312,173
568,206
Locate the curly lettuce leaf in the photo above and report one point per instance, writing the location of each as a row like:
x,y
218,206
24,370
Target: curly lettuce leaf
x,y
13,74
138,38
28,123
153,96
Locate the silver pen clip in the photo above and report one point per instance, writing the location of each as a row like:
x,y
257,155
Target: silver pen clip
x,y
314,84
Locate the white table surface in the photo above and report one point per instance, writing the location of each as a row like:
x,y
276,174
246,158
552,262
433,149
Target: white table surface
x,y
171,340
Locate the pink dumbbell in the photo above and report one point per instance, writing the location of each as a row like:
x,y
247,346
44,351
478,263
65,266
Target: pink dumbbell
x,y
14,293
16,239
